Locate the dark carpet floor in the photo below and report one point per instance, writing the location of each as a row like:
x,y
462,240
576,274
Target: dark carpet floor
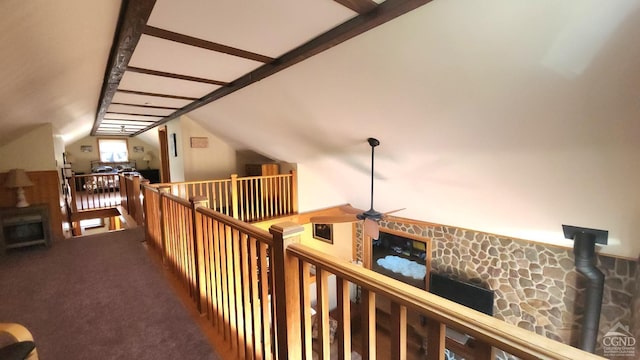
x,y
97,297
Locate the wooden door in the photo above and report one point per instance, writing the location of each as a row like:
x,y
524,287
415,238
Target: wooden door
x,y
165,174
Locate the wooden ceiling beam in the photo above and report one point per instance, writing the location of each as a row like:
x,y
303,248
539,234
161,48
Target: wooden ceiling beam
x,y
204,44
175,76
383,13
131,23
359,6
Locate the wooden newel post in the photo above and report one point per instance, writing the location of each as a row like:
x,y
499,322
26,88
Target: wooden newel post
x,y
286,273
294,191
163,189
134,202
234,196
143,184
196,202
74,196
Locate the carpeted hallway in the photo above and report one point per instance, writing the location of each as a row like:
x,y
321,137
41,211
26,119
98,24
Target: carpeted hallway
x,y
98,297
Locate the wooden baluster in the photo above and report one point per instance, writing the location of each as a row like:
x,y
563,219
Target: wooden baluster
x,y
305,309
287,290
344,319
164,222
436,338
247,299
322,315
398,331
135,200
368,306
234,196
483,351
294,192
74,194
265,310
196,202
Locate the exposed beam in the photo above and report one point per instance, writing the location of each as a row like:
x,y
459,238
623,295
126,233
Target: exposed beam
x,y
384,12
204,44
359,6
175,76
156,94
131,22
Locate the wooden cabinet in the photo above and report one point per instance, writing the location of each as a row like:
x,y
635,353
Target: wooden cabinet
x,y
24,227
153,175
262,169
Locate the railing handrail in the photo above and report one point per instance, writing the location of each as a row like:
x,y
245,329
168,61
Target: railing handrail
x,y
95,174
195,182
248,229
264,177
177,199
517,341
191,182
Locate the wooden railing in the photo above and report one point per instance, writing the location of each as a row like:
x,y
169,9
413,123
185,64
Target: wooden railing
x,y
248,199
153,226
223,264
94,191
264,197
217,192
253,286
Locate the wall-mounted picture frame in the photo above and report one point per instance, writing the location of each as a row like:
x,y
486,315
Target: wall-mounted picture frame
x,y
174,145
323,232
138,149
199,142
86,148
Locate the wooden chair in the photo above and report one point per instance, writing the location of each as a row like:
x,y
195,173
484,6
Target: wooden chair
x,y
17,333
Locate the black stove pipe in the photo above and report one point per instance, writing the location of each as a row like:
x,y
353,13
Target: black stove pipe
x,y
584,251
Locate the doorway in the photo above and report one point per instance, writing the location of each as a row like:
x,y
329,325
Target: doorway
x,y
165,175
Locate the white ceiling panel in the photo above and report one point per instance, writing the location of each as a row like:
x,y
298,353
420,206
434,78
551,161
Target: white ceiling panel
x,y
132,122
132,109
269,28
108,116
121,97
169,56
164,85
119,126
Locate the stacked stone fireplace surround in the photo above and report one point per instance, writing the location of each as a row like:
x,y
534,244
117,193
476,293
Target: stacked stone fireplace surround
x,y
536,285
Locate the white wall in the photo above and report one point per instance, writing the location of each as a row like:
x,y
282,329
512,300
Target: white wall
x,y
342,246
217,161
479,127
174,142
33,151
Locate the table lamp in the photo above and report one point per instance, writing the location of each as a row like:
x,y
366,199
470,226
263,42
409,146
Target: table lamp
x,y
17,179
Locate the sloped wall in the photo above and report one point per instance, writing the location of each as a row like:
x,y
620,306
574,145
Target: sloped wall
x,y
536,285
34,151
216,161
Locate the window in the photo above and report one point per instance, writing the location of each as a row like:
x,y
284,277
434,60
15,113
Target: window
x,y
113,150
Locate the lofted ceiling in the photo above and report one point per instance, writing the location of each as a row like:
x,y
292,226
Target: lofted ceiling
x,y
507,116
172,57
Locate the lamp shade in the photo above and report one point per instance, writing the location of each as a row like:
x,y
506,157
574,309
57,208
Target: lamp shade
x,y
17,178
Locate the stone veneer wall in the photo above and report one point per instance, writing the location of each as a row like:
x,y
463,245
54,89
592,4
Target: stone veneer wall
x,y
536,285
